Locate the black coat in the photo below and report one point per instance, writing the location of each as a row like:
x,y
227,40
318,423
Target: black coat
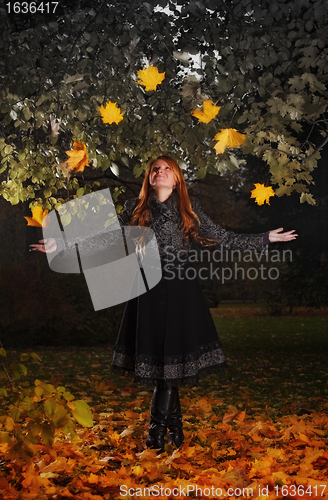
x,y
168,333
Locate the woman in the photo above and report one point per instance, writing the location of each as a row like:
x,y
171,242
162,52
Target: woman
x,y
167,335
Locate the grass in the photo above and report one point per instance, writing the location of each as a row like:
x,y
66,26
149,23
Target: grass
x,y
276,365
278,362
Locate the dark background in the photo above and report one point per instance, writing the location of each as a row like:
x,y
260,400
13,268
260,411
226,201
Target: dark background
x,y
40,307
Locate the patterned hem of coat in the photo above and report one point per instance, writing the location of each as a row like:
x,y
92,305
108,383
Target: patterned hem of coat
x,y
186,369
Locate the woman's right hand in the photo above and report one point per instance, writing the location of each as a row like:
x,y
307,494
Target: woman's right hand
x,y
49,245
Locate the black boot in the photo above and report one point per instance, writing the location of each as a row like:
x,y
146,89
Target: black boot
x,y
160,413
175,422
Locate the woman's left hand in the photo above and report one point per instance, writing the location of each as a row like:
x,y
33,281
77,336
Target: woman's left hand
x,y
277,235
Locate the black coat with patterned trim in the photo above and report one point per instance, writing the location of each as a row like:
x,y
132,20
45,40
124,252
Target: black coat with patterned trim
x,y
165,221
168,333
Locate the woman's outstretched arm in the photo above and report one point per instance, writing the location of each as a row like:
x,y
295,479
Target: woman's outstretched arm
x,y
87,246
237,241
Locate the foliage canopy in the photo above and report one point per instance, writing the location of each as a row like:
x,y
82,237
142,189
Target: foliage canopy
x,y
264,65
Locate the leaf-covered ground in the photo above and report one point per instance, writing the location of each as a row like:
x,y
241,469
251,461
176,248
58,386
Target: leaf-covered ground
x,y
262,425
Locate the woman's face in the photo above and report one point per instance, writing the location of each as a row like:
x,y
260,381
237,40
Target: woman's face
x,y
161,175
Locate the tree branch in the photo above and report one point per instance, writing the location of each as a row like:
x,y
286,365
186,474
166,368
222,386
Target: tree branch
x,y
127,184
319,148
295,155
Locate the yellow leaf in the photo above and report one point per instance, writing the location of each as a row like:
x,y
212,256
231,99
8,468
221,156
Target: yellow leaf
x,y
150,77
76,161
82,413
9,424
78,157
241,416
111,113
262,194
113,437
38,216
204,405
261,468
137,470
55,412
210,112
148,454
32,480
93,478
228,138
189,451
5,437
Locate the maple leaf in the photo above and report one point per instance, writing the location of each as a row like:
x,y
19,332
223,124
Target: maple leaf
x,y
111,113
204,405
38,216
262,194
150,77
78,157
228,138
210,112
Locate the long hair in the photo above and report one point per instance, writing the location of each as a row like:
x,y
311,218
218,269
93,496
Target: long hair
x,y
190,222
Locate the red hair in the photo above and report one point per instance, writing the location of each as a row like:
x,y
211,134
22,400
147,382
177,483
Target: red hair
x,y
140,215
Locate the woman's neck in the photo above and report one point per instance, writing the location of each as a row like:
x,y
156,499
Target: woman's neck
x,y
163,194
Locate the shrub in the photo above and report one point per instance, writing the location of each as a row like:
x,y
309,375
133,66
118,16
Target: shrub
x,y
34,414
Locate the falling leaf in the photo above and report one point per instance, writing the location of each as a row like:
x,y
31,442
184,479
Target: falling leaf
x,y
262,194
228,138
150,77
210,112
111,113
38,216
78,157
